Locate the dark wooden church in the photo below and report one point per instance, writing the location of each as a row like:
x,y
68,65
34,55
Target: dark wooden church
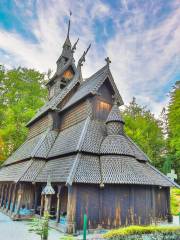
x,y
77,140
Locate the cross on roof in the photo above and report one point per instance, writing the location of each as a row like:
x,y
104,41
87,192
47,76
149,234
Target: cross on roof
x,y
108,60
172,175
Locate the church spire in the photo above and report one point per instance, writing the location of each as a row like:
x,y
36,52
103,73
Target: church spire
x,y
67,52
67,41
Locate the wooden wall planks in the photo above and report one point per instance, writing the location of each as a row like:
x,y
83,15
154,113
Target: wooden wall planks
x,y
120,205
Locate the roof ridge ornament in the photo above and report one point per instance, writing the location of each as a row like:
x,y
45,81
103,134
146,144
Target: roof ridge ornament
x,y
108,61
74,46
115,101
82,58
69,23
67,41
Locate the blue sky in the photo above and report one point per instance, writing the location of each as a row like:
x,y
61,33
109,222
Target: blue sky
x,y
141,37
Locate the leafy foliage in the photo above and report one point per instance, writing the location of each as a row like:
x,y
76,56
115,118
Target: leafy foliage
x,y
40,226
144,129
174,128
175,201
67,237
22,92
138,231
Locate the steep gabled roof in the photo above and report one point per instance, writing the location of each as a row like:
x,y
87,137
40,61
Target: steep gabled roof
x,y
89,86
92,85
53,102
38,146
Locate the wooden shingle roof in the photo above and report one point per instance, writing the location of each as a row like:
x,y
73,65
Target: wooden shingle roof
x,y
14,172
92,85
59,169
57,99
36,147
127,170
114,115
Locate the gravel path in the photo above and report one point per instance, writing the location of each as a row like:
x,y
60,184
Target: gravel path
x,y
18,230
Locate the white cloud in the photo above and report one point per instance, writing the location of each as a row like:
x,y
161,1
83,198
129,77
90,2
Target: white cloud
x,y
144,58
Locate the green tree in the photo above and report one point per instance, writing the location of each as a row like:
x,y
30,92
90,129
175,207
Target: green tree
x,y
144,129
174,128
22,92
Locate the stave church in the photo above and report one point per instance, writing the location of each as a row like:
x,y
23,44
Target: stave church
x,y
78,160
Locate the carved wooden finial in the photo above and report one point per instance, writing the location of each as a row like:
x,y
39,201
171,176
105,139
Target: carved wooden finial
x,y
108,61
69,23
74,46
82,59
114,98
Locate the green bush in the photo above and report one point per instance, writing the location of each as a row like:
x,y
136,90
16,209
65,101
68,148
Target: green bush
x,y
67,237
146,232
40,226
175,205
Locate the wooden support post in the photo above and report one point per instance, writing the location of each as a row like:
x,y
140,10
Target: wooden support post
x,y
2,195
35,198
169,215
0,190
58,209
154,205
5,196
19,199
9,197
100,207
42,205
132,222
14,198
47,203
71,209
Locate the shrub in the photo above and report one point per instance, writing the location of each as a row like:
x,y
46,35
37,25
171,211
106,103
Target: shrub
x,y
40,226
136,232
175,205
67,237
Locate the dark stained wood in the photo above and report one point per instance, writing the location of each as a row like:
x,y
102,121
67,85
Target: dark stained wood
x,y
119,205
2,194
58,208
40,126
42,205
1,186
14,198
28,196
10,196
5,195
71,209
153,206
74,115
106,92
36,189
19,198
100,108
168,205
88,202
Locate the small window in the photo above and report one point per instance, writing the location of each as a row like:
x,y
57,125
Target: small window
x,y
68,74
